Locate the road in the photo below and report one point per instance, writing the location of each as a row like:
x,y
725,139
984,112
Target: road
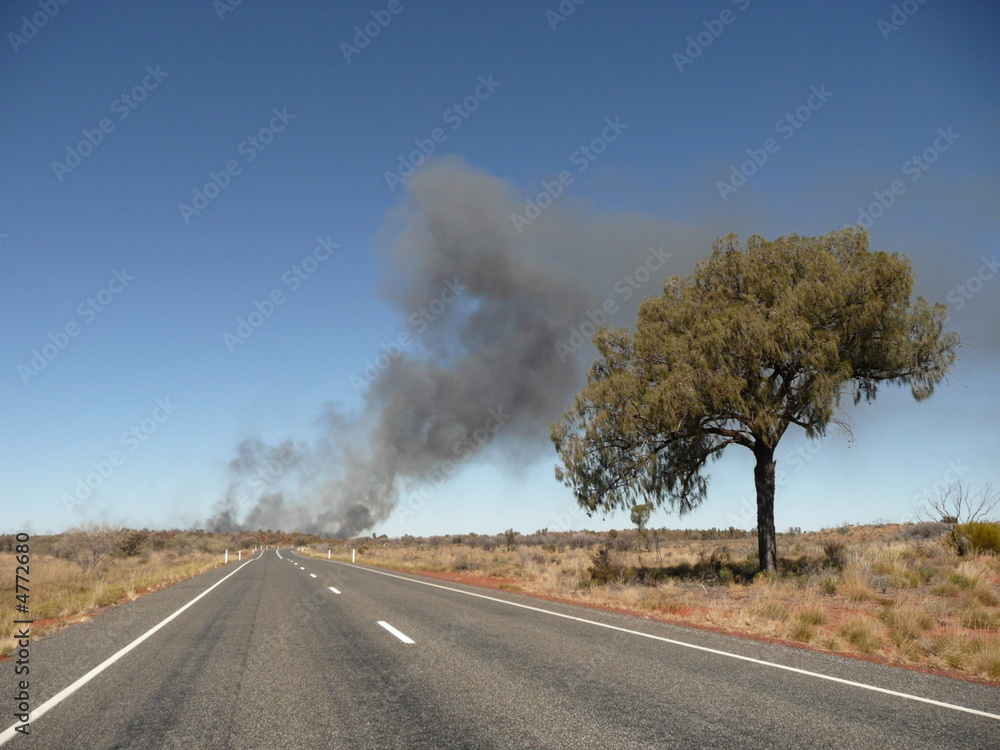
x,y
288,652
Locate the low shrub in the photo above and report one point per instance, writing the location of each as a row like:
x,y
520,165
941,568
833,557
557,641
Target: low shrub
x,y
605,568
982,536
863,634
800,630
905,623
836,552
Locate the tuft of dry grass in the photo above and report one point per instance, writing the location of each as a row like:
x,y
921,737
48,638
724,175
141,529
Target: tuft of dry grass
x,y
769,609
905,623
854,585
864,633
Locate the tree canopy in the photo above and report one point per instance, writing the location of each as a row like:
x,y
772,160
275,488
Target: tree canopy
x,y
762,336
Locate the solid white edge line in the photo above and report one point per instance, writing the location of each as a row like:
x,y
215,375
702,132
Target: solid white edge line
x,y
59,697
333,589
402,636
796,670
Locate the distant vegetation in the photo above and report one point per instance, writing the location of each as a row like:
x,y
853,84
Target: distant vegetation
x,y
907,593
75,574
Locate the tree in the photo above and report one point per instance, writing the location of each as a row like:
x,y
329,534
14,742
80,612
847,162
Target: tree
x,y
762,336
959,509
510,537
640,516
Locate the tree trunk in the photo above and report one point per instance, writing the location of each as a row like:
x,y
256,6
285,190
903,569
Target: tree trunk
x,y
763,477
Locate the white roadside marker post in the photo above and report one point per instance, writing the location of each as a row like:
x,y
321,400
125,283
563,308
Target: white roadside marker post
x,y
239,555
328,554
227,557
353,555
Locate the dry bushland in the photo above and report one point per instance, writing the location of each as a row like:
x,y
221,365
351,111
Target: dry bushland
x,y
901,593
75,574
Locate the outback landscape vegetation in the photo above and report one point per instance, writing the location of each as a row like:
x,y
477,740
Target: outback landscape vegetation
x,y
924,594
83,571
763,337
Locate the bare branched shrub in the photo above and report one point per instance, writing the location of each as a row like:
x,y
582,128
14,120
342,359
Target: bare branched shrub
x,y
959,506
90,545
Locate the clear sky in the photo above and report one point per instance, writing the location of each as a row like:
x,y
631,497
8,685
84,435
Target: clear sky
x,y
166,166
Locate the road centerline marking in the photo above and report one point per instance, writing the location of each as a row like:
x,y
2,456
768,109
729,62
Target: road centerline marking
x,y
312,575
402,636
333,589
706,649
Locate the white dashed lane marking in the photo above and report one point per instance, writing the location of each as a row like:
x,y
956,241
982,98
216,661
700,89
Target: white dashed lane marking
x,y
402,636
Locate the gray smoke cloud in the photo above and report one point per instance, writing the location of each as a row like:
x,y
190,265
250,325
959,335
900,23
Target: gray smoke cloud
x,y
486,307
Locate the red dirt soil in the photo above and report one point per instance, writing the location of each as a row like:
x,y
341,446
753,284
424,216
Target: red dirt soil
x,y
507,584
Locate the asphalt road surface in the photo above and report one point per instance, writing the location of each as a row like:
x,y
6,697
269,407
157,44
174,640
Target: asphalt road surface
x,y
287,652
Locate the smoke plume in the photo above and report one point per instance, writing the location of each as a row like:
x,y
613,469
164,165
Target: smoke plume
x,y
483,308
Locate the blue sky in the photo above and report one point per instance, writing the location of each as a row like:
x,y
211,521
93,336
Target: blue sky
x,y
839,98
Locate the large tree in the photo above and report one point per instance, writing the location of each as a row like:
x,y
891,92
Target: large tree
x,y
762,336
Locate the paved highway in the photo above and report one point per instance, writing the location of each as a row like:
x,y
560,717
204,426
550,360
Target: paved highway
x,y
287,652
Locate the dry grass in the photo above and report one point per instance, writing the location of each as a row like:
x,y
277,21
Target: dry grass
x,y
60,594
885,590
863,633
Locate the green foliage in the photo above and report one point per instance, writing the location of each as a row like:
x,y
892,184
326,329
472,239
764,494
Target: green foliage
x,y
981,536
640,515
762,336
510,538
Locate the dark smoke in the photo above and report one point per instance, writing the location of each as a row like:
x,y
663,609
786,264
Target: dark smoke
x,y
482,369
